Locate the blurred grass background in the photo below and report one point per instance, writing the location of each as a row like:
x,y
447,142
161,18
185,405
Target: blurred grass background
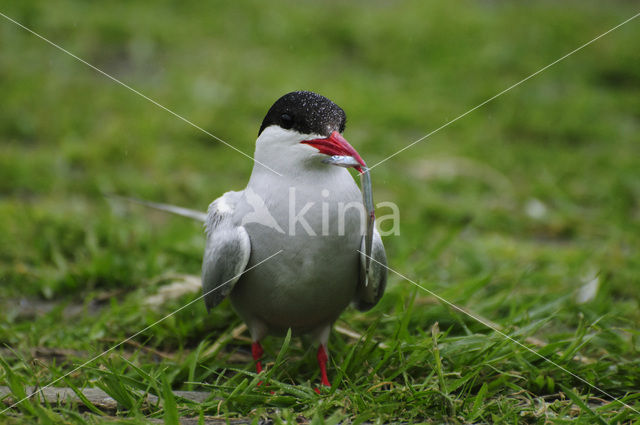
x,y
509,212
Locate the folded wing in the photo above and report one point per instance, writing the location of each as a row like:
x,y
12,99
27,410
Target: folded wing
x,y
227,250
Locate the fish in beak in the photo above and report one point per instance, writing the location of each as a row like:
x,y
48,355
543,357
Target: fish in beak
x,y
344,155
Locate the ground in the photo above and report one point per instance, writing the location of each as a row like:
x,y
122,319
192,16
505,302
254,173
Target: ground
x,y
525,213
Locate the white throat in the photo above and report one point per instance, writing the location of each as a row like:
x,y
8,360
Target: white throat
x,y
282,151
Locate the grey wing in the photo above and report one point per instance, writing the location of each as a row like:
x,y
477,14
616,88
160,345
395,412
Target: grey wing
x,y
226,254
371,287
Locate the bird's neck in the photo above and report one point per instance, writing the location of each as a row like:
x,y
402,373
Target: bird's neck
x,y
301,174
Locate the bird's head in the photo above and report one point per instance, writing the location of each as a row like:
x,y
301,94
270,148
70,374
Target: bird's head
x,y
303,126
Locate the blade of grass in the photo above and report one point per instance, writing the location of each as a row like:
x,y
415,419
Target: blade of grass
x,y
580,403
280,356
170,407
84,399
193,363
17,387
476,409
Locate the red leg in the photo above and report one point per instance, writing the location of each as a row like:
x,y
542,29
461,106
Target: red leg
x,y
256,352
322,362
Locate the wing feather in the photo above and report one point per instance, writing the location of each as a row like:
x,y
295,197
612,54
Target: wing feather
x,y
227,251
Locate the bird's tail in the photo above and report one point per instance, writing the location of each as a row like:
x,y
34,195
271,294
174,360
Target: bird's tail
x,y
173,209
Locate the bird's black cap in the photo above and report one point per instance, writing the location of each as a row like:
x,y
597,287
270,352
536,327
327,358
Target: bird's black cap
x,y
307,113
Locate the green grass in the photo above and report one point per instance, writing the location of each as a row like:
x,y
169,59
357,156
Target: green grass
x,y
75,268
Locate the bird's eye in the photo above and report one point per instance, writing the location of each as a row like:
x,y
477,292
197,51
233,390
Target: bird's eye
x,y
287,121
